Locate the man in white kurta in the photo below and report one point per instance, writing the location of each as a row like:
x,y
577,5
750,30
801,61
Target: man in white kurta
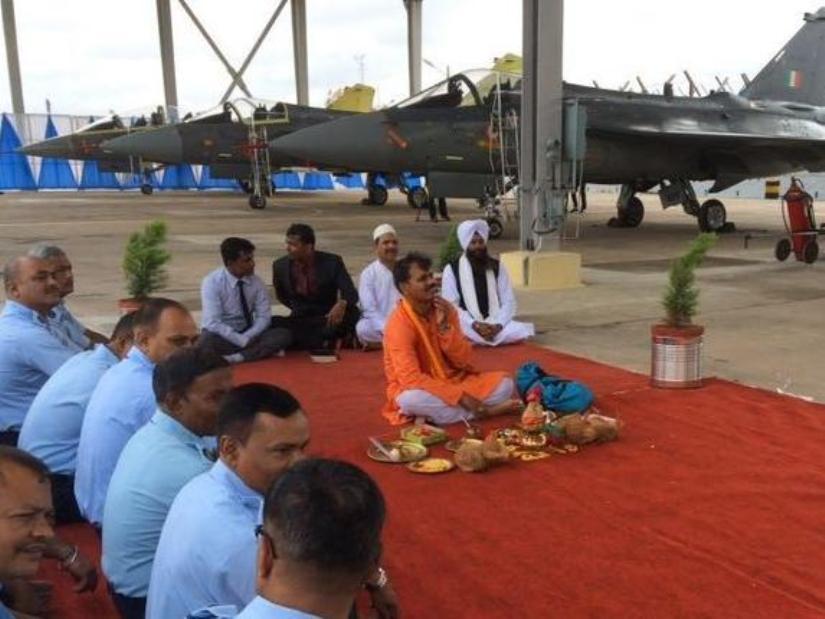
x,y
479,286
377,293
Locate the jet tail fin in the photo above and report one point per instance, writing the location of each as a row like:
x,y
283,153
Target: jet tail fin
x,y
797,72
356,98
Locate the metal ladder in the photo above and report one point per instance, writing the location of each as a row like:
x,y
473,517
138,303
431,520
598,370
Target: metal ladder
x,y
504,155
259,158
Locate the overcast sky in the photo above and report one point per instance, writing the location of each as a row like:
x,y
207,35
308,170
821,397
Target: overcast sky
x,y
90,56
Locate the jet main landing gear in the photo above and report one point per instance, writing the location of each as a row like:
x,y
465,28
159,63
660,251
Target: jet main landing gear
x,y
711,214
629,208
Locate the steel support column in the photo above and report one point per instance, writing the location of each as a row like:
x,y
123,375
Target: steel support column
x,y
541,199
167,58
12,57
414,43
299,46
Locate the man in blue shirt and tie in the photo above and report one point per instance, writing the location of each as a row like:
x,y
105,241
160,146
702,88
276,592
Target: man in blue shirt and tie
x,y
156,463
69,328
30,351
51,430
206,553
124,401
236,308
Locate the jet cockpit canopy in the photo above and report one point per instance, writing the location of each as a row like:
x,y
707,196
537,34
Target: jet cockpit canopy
x,y
471,88
238,110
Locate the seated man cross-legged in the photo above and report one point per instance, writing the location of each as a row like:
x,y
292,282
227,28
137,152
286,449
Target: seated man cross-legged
x,y
51,430
427,359
376,289
479,286
236,308
318,290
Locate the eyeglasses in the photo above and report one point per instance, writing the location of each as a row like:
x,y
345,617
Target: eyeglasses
x,y
261,532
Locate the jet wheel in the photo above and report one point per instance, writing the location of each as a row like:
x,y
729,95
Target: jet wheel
x,y
712,216
257,202
810,252
417,198
146,189
378,195
782,250
632,214
496,228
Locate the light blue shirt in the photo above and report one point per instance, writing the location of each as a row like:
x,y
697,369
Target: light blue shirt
x,y
121,404
159,460
29,353
257,608
68,328
261,608
206,555
51,430
221,306
5,614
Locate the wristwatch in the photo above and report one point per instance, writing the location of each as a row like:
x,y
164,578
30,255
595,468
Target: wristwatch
x,y
379,582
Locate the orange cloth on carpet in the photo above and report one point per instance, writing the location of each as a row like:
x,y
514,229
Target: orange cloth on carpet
x,y
418,356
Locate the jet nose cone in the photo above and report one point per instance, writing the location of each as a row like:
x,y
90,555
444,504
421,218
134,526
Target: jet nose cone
x,y
356,142
161,145
47,148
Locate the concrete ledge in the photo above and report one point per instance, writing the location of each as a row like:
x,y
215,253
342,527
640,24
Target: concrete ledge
x,y
543,270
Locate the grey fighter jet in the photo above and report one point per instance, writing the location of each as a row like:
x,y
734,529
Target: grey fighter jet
x,y
85,143
232,139
456,133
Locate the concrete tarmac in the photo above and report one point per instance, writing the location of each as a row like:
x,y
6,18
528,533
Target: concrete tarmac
x,y
761,316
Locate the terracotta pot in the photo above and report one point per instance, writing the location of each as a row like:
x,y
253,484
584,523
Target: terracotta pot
x,y
676,356
127,306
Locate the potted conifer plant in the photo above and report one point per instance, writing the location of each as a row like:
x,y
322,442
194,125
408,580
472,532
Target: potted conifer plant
x,y
144,261
676,358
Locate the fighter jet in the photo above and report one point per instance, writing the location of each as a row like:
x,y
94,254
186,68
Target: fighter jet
x,y
85,143
462,134
232,138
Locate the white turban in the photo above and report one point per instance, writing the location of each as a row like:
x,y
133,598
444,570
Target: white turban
x,y
382,230
468,229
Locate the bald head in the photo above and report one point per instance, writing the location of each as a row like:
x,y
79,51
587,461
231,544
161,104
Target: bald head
x,y
31,282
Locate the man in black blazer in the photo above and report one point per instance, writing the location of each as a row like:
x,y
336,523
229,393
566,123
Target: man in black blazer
x,y
315,285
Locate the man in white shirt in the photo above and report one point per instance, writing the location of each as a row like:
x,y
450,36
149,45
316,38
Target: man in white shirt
x,y
479,286
236,308
377,293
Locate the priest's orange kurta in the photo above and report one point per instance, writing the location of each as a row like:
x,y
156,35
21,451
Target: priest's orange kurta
x,y
407,365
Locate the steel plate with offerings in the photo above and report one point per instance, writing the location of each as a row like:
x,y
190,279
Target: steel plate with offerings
x,y
395,452
431,466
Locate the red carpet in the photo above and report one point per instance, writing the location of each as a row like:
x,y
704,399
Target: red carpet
x,y
712,503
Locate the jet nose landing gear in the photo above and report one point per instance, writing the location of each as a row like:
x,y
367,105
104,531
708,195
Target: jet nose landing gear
x,y
712,216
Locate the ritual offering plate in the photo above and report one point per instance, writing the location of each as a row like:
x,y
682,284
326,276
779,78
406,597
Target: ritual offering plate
x,y
533,440
431,466
424,434
530,456
407,452
456,443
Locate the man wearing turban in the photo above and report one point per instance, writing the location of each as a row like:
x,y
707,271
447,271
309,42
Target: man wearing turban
x,y
479,286
377,293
